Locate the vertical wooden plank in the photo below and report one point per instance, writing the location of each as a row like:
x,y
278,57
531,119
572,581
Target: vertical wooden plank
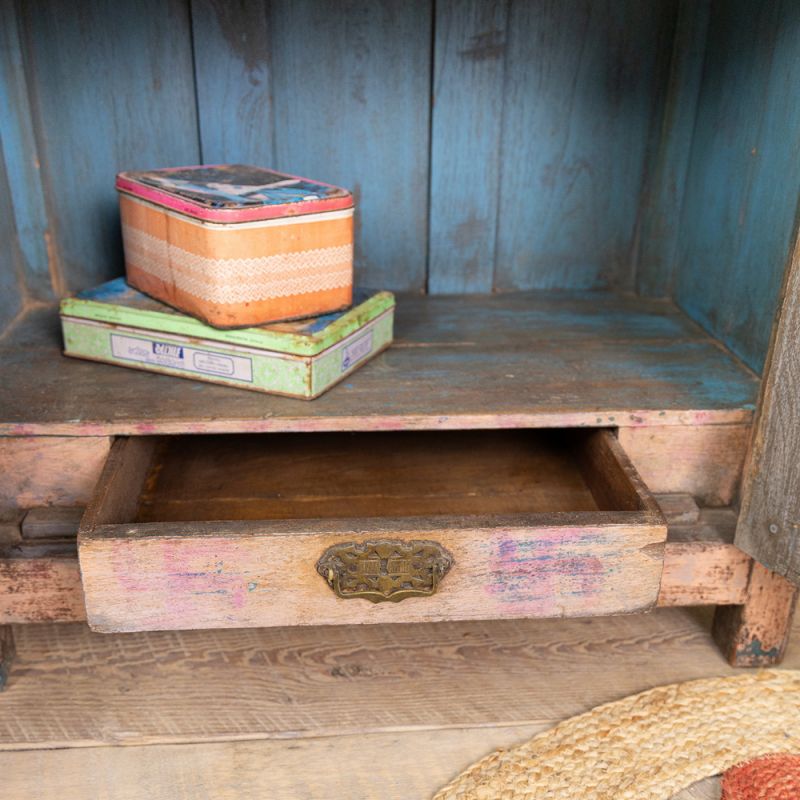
x,y
21,159
232,74
6,653
12,293
665,183
769,521
742,186
50,470
581,91
469,57
114,90
352,104
756,634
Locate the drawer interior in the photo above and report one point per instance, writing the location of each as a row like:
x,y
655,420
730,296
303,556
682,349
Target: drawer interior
x,y
387,474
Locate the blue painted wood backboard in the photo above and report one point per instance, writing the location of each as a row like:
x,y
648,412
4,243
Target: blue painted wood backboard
x,y
492,145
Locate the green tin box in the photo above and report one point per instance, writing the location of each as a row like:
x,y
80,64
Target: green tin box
x,y
116,324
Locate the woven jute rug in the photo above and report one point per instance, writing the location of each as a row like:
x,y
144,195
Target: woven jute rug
x,y
645,747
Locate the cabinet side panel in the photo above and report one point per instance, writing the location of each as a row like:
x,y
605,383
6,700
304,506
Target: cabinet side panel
x,y
769,522
742,187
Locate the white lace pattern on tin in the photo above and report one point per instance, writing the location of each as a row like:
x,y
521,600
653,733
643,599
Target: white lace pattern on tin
x,y
240,280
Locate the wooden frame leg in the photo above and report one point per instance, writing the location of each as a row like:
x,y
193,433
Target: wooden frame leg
x,y
756,634
6,653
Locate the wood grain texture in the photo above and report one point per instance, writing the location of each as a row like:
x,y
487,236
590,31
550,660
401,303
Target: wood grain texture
x,y
389,766
468,70
514,360
7,652
50,470
536,551
701,567
94,120
702,460
304,682
352,108
737,223
756,633
769,525
159,576
48,522
397,474
12,281
40,590
24,227
667,165
581,85
232,52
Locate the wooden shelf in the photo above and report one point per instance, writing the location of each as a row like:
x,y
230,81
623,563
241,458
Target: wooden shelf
x,y
556,359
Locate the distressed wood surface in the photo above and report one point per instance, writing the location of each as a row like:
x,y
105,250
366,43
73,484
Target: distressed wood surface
x,y
41,590
740,199
664,184
388,766
701,567
12,280
233,81
7,653
569,544
295,683
23,220
469,60
756,633
581,87
352,99
48,522
94,120
514,360
160,576
702,460
397,474
701,564
44,470
769,525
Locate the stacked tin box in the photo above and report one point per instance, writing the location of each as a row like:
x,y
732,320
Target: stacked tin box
x,y
235,275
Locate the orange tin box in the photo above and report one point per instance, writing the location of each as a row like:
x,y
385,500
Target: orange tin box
x,y
235,245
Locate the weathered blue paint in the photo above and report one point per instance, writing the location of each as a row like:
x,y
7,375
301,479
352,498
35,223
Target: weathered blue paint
x,y
550,122
11,277
351,85
21,157
741,200
753,653
469,58
232,71
581,90
114,89
668,163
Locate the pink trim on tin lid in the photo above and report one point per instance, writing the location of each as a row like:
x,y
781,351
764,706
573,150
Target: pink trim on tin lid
x,y
135,183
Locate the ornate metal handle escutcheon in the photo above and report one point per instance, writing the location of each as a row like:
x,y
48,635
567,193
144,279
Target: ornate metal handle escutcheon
x,y
384,570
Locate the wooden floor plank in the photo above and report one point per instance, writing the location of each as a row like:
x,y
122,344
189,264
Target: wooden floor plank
x,y
73,688
388,766
507,360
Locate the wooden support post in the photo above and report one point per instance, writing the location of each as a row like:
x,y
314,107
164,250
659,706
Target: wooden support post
x,y
756,634
6,653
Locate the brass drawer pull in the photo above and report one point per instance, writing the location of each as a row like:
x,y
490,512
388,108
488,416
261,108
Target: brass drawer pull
x,y
384,570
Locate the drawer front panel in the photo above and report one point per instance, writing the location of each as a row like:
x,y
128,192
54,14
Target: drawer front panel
x,y
216,575
528,526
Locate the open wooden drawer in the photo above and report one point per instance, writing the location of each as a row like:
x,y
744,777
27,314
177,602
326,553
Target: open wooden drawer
x,y
322,528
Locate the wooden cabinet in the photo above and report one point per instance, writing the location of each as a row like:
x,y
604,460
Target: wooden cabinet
x,y
588,211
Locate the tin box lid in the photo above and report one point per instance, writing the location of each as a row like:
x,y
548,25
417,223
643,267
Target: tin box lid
x,y
233,192
118,303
